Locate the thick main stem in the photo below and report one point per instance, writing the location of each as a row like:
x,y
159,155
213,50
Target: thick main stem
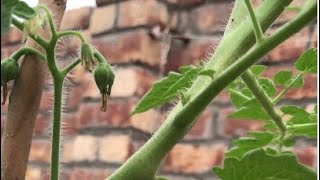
x,y
144,163
58,85
263,99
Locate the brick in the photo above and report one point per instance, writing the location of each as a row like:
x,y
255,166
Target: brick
x,y
194,158
14,35
81,148
76,19
289,14
87,174
235,127
202,128
114,148
8,50
210,18
41,124
131,82
33,173
138,45
185,3
309,89
306,155
68,125
141,12
148,121
291,49
40,151
46,102
192,53
104,2
117,115
102,19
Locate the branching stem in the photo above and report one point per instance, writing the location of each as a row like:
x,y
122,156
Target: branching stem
x,y
264,100
28,51
286,89
257,28
43,43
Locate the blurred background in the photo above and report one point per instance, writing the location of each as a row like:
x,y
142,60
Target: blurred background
x,y
144,40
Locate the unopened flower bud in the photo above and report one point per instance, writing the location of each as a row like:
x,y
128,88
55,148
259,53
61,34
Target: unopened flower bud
x,y
104,77
87,57
9,71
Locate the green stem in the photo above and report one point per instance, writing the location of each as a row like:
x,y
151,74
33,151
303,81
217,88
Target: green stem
x,y
98,56
286,89
264,100
239,94
256,26
302,127
67,69
71,33
58,84
144,163
43,43
49,16
27,51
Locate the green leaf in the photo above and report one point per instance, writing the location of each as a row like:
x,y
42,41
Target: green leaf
x,y
282,77
237,98
245,144
6,14
298,82
257,164
268,86
307,130
307,62
299,115
258,69
160,178
23,10
166,89
250,110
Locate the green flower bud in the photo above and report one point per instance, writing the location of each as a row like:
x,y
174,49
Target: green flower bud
x,y
9,71
104,77
87,57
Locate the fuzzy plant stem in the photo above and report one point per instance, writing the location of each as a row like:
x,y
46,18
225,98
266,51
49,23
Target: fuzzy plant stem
x,y
286,89
58,84
58,78
264,100
144,163
251,82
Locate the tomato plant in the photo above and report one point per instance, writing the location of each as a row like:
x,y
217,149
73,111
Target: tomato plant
x,y
261,154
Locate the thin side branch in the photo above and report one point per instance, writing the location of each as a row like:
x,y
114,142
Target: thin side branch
x,y
256,25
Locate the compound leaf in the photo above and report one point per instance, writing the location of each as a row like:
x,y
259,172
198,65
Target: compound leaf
x,y
166,89
23,10
258,164
307,62
253,141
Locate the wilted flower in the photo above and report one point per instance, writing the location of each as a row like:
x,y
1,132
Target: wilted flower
x,y
87,57
9,71
31,26
104,77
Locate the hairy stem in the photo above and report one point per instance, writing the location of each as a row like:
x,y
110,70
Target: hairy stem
x,y
42,42
144,163
58,84
264,100
286,89
28,51
49,17
71,33
256,26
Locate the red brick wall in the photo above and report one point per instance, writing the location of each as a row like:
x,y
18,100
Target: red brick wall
x,y
96,143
